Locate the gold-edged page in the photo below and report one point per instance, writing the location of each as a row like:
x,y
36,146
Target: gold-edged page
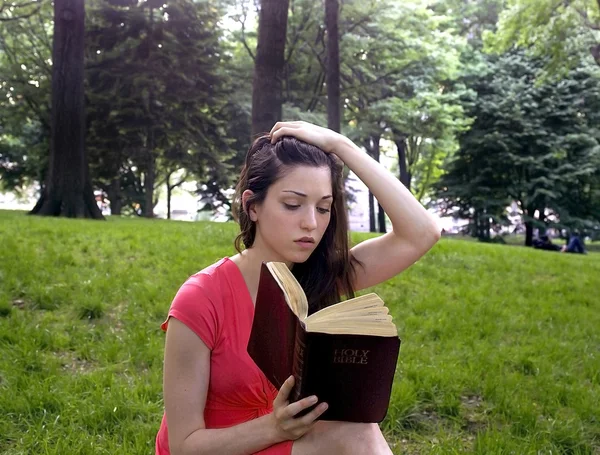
x,y
375,318
361,313
384,330
351,321
363,302
294,295
369,311
288,296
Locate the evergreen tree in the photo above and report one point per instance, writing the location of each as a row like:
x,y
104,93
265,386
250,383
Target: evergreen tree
x,y
531,143
154,75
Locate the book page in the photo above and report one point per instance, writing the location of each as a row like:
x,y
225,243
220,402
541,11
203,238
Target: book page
x,y
371,328
367,301
294,295
352,312
363,313
352,319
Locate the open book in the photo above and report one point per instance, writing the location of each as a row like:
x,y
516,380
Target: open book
x,y
345,354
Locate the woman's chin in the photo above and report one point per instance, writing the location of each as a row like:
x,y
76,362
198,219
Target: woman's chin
x,y
298,258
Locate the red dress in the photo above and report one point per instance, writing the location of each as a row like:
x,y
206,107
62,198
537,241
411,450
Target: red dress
x,y
216,305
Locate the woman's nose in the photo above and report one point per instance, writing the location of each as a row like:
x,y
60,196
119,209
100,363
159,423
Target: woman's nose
x,y
309,220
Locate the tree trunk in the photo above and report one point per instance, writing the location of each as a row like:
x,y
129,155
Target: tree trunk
x,y
528,233
68,190
372,227
595,51
381,218
484,229
268,68
400,141
474,228
543,227
169,190
149,178
376,154
529,216
150,175
333,65
114,196
372,147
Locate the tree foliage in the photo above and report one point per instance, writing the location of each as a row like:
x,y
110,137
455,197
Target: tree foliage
x,y
156,97
169,98
560,31
530,143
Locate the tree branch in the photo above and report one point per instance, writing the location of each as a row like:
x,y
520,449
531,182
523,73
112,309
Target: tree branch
x,y
243,38
586,20
321,62
23,5
181,181
18,5
295,40
380,78
357,24
46,38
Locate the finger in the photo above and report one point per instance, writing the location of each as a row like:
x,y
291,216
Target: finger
x,y
314,414
280,125
285,131
275,128
294,408
284,392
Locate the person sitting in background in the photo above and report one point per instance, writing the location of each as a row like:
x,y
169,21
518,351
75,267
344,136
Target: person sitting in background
x,y
574,245
544,243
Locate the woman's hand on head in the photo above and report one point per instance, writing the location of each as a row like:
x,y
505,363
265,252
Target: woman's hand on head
x,y
283,418
324,138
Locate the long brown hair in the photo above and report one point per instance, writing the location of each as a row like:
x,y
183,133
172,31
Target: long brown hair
x,y
329,271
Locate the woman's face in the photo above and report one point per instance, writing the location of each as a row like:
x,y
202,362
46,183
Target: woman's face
x,y
292,219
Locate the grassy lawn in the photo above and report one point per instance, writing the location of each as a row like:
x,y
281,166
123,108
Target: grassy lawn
x,y
500,355
519,240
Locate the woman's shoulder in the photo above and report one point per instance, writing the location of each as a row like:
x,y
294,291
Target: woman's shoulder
x,y
199,302
210,279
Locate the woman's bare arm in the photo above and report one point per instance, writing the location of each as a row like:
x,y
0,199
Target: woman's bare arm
x,y
186,378
414,230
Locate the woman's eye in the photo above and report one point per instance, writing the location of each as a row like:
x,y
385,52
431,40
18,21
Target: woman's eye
x,y
322,210
290,206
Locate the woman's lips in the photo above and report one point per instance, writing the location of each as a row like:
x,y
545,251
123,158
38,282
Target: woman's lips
x,y
306,242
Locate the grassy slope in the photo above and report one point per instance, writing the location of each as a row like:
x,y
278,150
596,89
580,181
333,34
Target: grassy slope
x,y
500,351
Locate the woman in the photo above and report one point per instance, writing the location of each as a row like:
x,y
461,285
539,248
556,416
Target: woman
x,y
292,210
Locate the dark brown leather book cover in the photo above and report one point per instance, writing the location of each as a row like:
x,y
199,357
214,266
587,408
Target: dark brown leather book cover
x,y
352,373
271,343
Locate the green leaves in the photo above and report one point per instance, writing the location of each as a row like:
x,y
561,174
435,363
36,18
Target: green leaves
x,y
563,32
534,143
156,93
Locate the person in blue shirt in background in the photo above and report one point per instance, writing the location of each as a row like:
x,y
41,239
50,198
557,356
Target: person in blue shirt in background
x,y
574,244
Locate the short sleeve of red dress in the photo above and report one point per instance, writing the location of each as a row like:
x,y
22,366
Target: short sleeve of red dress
x,y
196,310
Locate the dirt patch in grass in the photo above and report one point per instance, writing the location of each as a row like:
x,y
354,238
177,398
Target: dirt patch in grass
x,y
474,420
73,364
21,304
114,317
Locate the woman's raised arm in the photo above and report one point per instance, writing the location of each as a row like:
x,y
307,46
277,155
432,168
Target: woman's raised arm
x,y
414,230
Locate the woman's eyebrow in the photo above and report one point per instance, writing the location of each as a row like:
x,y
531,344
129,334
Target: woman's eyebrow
x,y
298,193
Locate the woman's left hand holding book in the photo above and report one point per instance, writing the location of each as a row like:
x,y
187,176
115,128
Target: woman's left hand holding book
x,y
284,422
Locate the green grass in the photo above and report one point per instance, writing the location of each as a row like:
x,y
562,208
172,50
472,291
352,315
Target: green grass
x,y
519,240
500,354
